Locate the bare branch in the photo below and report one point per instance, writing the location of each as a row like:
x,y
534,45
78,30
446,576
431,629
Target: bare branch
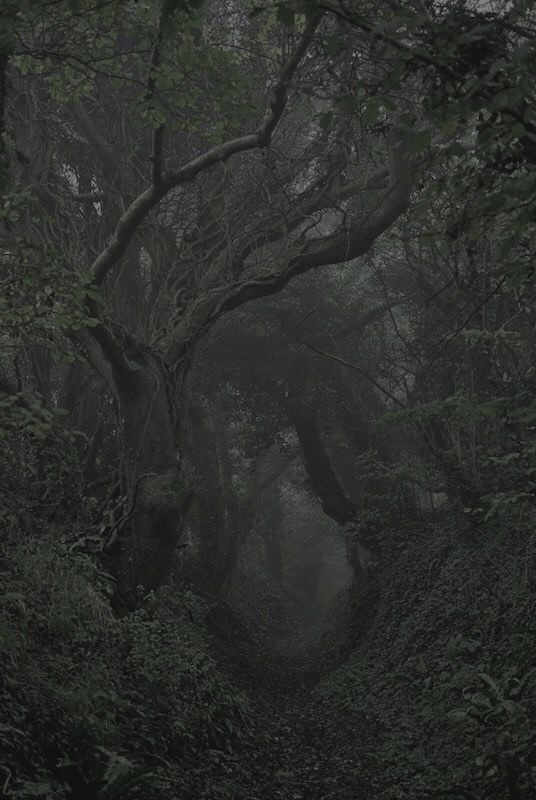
x,y
112,351
344,245
324,197
356,368
145,202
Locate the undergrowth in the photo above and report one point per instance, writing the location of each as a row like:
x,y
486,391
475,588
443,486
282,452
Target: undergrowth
x,y
446,672
95,706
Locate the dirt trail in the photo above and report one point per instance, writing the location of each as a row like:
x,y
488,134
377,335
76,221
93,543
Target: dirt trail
x,y
299,751
298,747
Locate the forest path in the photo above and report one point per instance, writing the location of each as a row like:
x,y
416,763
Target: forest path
x,y
297,751
298,747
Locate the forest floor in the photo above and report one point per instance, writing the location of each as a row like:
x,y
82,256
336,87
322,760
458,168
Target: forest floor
x,y
297,747
295,752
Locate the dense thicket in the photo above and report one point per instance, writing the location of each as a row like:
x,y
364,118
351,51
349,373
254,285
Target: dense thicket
x,y
267,399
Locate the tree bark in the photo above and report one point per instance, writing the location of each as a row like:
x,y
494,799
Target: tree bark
x,y
326,484
158,491
363,556
274,556
216,515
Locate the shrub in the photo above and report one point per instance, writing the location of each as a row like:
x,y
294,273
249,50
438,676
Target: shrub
x,y
99,707
444,675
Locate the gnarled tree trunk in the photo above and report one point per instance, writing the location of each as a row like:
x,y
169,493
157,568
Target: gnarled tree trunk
x,y
335,503
325,482
157,490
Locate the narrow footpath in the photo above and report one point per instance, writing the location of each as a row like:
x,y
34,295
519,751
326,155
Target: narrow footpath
x,y
298,746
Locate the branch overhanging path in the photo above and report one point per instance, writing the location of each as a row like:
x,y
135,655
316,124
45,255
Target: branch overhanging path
x,y
145,202
347,243
353,238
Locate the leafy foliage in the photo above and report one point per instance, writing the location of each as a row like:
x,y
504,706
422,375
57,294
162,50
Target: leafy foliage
x,y
93,704
106,103
445,671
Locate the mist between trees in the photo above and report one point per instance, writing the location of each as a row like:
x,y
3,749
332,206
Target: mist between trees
x,y
267,399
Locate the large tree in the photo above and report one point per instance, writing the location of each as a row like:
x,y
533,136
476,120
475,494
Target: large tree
x,y
168,162
176,164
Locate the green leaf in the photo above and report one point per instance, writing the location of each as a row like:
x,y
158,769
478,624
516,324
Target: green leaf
x,y
488,680
31,789
457,149
332,45
420,141
518,130
326,120
348,104
286,15
371,112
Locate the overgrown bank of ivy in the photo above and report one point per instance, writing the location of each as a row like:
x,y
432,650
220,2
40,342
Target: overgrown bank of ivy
x,y
446,672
